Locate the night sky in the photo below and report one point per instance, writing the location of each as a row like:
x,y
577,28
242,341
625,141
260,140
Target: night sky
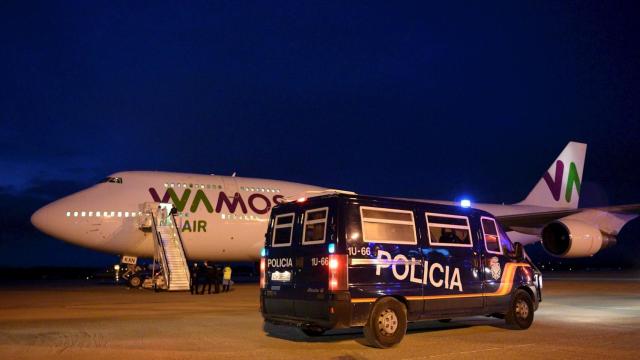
x,y
401,99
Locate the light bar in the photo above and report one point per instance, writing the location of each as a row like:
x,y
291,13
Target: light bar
x,y
465,203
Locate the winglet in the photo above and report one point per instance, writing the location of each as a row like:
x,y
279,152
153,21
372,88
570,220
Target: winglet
x,y
559,187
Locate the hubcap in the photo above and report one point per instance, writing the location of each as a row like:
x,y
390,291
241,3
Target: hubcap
x,y
387,322
522,309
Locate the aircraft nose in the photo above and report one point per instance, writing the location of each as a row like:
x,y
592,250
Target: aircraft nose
x,y
39,218
47,219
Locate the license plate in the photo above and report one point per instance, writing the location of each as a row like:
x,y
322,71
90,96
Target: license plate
x,y
281,276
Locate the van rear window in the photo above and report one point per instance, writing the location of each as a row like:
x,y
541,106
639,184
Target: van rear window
x,y
315,226
282,230
388,225
448,230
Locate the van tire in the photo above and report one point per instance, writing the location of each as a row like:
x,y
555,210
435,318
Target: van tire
x,y
387,323
313,332
520,313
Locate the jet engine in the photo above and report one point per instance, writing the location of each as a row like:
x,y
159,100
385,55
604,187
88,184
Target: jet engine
x,y
569,238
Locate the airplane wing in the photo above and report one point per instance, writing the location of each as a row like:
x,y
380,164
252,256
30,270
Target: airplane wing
x,y
623,213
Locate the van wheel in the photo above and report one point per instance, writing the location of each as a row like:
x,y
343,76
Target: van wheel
x,y
135,281
520,313
387,323
313,332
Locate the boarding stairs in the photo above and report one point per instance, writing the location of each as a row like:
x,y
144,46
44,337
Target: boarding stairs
x,y
173,272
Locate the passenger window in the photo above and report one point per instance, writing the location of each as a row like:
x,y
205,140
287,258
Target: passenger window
x,y
491,235
315,226
448,230
387,225
283,230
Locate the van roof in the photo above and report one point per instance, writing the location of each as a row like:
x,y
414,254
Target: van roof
x,y
453,209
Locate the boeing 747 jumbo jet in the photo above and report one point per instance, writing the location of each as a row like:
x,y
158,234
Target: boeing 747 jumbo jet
x,y
224,218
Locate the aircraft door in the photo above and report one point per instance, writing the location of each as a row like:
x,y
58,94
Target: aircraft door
x,y
230,185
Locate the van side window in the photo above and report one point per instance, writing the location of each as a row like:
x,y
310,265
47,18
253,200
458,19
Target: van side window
x,y
491,235
283,230
448,230
387,225
315,226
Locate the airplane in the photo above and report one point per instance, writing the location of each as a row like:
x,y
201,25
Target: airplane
x,y
224,218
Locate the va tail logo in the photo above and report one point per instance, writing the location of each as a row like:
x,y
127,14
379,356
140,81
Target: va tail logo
x,y
555,185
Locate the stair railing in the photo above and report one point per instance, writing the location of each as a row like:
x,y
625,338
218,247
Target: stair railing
x,y
160,252
183,254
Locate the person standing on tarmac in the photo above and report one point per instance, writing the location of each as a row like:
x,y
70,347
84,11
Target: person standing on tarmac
x,y
194,279
226,278
209,275
218,278
202,278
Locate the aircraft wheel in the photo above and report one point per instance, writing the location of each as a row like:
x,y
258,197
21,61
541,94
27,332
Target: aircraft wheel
x,y
520,313
387,323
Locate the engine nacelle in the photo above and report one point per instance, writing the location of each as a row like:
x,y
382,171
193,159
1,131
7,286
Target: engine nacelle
x,y
568,238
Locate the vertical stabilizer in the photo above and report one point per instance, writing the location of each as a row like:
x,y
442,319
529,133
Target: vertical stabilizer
x,y
559,187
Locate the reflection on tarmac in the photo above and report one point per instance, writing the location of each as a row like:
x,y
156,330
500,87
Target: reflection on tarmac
x,y
584,318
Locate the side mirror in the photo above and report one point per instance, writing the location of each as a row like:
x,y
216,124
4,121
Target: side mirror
x,y
518,251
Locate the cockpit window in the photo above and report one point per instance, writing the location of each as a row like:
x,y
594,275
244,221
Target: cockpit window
x,y
112,179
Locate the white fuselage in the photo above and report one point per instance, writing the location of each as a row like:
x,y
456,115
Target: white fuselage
x,y
222,218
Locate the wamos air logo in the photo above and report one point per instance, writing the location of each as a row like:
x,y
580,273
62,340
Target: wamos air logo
x,y
555,184
258,203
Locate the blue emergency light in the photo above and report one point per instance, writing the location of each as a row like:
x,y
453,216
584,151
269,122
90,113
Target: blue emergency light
x,y
263,252
465,203
332,248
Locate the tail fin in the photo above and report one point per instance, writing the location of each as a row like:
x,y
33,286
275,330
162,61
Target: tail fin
x,y
559,187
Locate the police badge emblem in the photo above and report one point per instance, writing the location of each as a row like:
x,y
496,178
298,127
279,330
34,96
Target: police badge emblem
x,y
494,265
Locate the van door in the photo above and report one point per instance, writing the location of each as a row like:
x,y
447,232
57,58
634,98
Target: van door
x,y
493,263
384,255
298,258
453,283
316,229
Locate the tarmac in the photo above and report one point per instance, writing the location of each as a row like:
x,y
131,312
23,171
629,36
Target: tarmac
x,y
581,318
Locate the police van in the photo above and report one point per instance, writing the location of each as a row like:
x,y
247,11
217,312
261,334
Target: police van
x,y
346,260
